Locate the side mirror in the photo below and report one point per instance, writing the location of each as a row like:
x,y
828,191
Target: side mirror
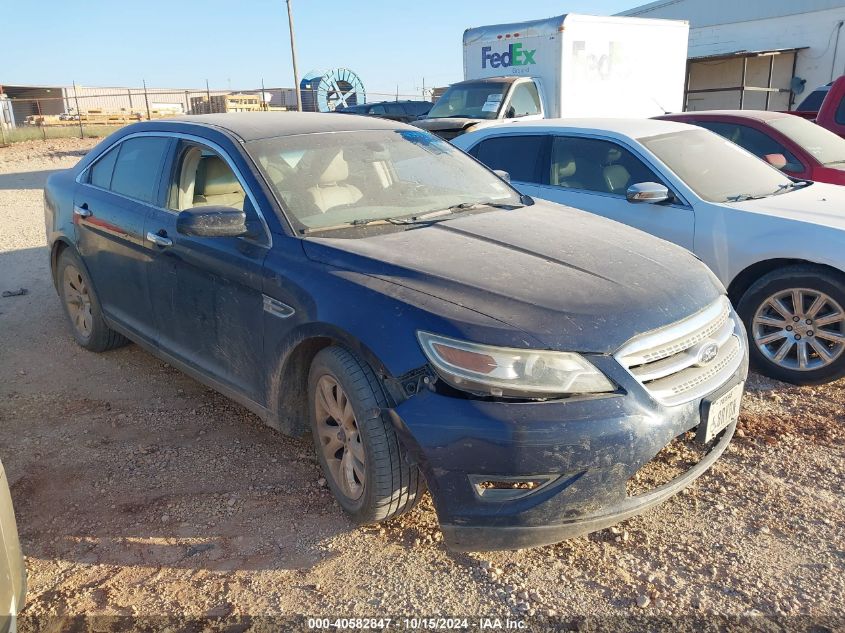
x,y
501,173
212,221
776,160
652,192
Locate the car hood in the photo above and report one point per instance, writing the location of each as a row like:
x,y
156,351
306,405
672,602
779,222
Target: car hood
x,y
820,203
572,280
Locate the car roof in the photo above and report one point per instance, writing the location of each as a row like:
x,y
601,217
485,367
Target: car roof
x,y
757,115
632,128
250,126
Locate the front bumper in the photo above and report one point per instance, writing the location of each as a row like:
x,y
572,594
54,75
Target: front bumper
x,y
586,447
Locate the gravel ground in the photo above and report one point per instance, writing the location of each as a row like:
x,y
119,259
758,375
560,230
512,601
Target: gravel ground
x,y
141,493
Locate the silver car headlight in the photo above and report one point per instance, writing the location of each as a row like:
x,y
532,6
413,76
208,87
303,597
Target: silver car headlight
x,y
511,372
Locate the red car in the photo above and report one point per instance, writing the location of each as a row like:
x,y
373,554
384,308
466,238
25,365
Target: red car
x,y
798,147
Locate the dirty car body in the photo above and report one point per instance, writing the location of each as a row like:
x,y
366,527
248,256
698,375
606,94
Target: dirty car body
x,y
419,281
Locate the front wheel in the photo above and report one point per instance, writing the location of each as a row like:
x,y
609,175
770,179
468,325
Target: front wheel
x,y
359,452
796,324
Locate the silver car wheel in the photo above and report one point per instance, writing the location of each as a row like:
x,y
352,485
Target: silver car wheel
x,y
77,301
340,439
800,329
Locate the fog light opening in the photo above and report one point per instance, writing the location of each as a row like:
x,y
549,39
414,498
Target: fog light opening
x,y
508,488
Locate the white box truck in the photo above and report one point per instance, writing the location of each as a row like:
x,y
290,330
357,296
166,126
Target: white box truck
x,y
566,66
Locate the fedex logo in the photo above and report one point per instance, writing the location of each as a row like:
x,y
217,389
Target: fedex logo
x,y
514,56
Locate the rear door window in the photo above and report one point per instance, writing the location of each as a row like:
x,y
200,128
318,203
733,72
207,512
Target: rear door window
x,y
520,156
137,169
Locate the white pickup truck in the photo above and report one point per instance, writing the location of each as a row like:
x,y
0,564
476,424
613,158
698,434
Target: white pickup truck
x,y
565,66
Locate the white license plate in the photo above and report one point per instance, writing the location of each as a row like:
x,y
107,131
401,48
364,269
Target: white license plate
x,y
720,413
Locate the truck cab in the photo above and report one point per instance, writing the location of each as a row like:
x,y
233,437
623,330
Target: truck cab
x,y
476,103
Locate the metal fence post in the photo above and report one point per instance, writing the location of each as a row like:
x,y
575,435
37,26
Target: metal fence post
x,y
78,111
146,99
40,119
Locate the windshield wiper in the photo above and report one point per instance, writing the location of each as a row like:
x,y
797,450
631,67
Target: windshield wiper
x,y
455,208
742,197
834,162
791,185
345,225
424,218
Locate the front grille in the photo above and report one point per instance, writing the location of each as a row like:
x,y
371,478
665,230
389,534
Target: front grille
x,y
688,359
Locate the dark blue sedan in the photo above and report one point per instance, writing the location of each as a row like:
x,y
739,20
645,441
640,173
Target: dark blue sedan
x,y
366,281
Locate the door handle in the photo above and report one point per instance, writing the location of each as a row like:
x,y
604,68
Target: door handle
x,y
159,240
82,210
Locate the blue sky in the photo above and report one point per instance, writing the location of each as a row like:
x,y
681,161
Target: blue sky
x,y
176,43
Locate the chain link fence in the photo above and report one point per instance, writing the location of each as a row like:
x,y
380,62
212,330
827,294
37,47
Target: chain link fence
x,y
30,113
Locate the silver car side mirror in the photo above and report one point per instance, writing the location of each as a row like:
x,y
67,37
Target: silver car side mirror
x,y
501,173
652,192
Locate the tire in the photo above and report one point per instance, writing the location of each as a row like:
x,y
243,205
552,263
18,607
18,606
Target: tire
x,y
814,328
389,486
81,306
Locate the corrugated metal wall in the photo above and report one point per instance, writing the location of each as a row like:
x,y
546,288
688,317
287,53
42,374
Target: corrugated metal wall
x,y
726,26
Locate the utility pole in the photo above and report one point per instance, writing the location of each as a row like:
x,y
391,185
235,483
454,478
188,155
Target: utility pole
x,y
293,58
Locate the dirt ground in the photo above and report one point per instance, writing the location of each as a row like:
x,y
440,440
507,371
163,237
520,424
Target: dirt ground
x,y
141,493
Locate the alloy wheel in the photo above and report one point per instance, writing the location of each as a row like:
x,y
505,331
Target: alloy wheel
x,y
77,301
800,329
340,439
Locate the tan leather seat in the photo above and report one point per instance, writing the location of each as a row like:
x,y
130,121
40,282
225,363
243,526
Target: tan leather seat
x,y
564,169
332,190
616,178
216,184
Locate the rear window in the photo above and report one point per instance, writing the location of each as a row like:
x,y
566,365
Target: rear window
x,y
417,108
102,170
813,101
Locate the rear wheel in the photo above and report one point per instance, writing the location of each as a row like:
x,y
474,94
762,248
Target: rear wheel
x,y
358,450
82,308
795,319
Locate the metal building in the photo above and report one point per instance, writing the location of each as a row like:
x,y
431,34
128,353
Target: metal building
x,y
756,54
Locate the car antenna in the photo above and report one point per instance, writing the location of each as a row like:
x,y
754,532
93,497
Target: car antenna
x,y
665,111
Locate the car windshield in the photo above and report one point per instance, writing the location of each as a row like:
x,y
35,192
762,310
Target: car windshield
x,y
334,178
716,169
473,100
824,145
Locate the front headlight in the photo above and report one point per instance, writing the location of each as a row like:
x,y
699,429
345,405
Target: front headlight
x,y
511,372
